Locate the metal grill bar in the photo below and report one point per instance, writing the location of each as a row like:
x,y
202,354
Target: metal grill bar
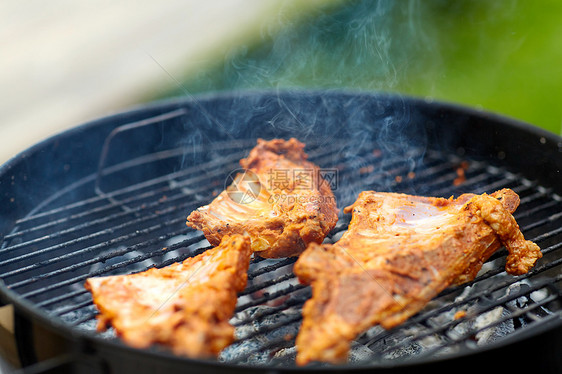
x,y
271,268
103,258
187,171
269,283
101,209
490,273
92,315
537,209
269,328
497,286
143,257
199,177
463,339
258,301
101,233
541,192
293,302
272,296
69,269
60,298
113,267
193,173
84,238
448,326
185,243
91,274
424,317
84,226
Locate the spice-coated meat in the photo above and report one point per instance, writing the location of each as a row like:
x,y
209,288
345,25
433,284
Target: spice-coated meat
x,y
185,306
399,252
281,201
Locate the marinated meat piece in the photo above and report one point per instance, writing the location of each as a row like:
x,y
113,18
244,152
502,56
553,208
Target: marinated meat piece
x,y
281,201
400,251
185,306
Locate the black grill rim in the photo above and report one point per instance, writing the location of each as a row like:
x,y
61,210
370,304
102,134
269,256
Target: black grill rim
x,y
36,314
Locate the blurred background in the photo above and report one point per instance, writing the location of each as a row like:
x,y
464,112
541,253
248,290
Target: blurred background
x,y
64,63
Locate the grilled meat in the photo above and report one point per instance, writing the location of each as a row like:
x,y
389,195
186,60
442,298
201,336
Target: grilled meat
x,y
281,201
185,306
399,252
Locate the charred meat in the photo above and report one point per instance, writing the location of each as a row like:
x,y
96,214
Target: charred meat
x,y
399,252
185,306
281,201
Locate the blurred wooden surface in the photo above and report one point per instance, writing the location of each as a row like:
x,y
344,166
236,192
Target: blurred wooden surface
x,y
66,62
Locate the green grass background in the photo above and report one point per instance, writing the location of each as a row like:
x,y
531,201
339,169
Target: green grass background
x,y
504,56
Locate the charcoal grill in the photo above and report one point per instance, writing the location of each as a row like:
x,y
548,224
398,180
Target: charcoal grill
x,y
111,197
